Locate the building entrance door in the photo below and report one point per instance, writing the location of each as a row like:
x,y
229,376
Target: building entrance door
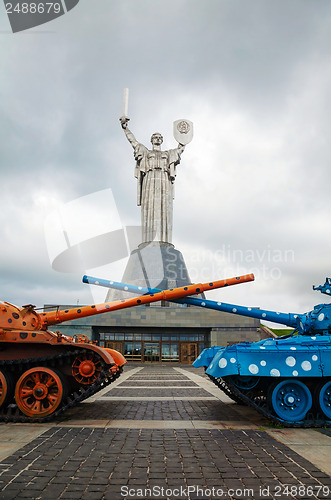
x,y
151,352
118,346
188,352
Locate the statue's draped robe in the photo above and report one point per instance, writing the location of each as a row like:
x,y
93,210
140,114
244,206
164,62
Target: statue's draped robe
x,y
155,172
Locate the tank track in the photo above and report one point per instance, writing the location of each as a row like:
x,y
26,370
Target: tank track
x,y
11,413
259,403
221,384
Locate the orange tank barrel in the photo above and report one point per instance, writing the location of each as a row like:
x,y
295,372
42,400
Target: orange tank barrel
x,y
59,316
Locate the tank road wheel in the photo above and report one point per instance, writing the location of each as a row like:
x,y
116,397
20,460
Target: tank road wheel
x,y
39,392
244,382
291,400
6,388
324,399
86,368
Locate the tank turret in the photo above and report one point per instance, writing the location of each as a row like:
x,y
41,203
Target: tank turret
x,y
287,379
43,373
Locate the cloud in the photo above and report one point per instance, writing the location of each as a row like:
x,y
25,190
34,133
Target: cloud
x,y
254,77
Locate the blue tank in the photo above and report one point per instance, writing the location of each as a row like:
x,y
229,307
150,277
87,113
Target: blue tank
x,y
287,379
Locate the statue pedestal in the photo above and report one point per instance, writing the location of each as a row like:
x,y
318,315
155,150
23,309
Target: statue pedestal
x,y
156,265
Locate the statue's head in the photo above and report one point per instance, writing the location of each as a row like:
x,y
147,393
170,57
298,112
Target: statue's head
x,y
156,139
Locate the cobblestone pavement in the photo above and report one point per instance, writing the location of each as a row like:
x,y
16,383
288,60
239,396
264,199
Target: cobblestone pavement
x,y
156,410
173,437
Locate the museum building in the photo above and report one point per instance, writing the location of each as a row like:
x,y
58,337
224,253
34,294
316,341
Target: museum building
x,y
165,334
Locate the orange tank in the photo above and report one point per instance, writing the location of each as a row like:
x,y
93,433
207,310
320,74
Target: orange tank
x,y
42,373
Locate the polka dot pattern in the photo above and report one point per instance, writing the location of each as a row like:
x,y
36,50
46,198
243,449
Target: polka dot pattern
x,y
222,363
290,361
306,366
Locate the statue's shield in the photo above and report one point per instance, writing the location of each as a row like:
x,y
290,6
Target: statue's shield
x,y
183,131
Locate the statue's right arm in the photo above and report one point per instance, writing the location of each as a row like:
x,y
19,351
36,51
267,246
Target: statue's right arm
x,y
129,135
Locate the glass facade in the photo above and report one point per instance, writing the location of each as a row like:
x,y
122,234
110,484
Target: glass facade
x,y
151,347
170,352
132,350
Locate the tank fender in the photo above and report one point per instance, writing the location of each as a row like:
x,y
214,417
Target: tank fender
x,y
205,358
106,356
117,356
225,362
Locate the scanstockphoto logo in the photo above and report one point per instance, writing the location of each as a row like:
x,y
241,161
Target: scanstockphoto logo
x,y
27,14
265,263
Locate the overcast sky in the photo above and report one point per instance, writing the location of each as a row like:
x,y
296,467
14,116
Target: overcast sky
x,y
253,187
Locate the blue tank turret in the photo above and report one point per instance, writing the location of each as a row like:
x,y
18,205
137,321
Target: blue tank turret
x,y
287,379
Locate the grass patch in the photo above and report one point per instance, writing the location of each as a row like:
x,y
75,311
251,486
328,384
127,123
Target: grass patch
x,y
281,331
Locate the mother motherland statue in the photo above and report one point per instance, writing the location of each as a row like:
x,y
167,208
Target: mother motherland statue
x,y
155,262
156,172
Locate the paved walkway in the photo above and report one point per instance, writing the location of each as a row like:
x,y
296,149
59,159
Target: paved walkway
x,y
162,432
